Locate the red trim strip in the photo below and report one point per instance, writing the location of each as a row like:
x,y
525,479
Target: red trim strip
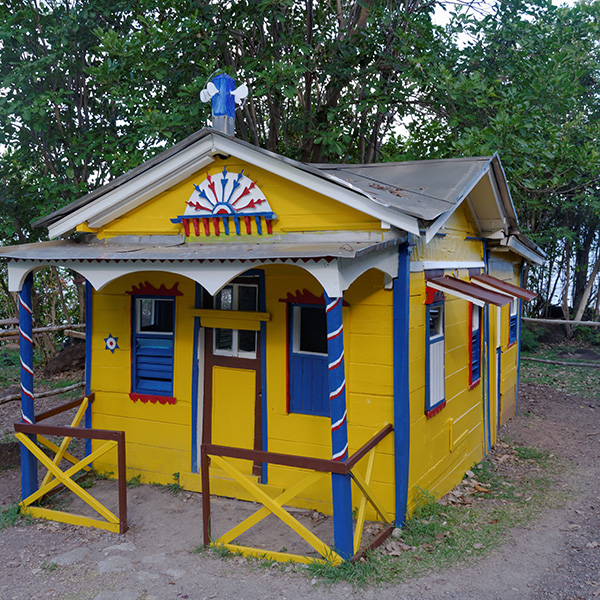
x,y
144,398
434,411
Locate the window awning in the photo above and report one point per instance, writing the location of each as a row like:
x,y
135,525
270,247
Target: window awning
x,y
497,285
468,291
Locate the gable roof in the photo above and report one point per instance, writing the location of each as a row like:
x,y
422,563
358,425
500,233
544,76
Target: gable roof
x,y
408,195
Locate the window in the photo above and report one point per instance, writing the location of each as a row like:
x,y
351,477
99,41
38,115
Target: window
x,y
236,342
153,345
308,361
435,351
475,354
512,327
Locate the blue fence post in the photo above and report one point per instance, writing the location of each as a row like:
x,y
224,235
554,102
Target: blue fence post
x,y
29,482
341,487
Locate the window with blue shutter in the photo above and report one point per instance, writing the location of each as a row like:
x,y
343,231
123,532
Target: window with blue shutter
x,y
308,361
513,324
153,345
475,354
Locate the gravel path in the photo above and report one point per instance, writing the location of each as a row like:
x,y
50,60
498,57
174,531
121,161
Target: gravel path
x,y
557,557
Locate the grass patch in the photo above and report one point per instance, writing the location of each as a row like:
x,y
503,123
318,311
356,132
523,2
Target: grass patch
x,y
508,489
174,488
48,566
11,517
135,481
579,381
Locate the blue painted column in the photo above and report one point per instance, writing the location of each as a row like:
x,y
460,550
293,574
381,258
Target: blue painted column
x,y
29,482
88,360
401,323
341,487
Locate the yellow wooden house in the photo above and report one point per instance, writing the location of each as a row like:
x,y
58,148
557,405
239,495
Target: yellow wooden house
x,y
356,323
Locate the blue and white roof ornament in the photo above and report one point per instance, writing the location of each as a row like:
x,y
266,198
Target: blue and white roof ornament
x,y
224,96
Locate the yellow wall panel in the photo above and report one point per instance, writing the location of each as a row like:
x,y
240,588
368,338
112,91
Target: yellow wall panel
x,y
297,208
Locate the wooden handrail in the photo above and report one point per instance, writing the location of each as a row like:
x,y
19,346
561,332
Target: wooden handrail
x,y
62,408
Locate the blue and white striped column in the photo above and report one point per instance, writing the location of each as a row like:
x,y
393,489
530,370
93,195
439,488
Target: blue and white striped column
x,y
29,483
340,484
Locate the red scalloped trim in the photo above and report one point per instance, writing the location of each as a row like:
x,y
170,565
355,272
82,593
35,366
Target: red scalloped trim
x,y
148,289
306,297
473,385
432,296
144,398
434,411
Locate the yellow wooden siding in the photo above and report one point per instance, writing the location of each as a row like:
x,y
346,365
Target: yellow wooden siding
x,y
297,208
158,436
444,446
369,387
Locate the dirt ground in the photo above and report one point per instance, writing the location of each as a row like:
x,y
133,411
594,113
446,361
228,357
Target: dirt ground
x,y
556,557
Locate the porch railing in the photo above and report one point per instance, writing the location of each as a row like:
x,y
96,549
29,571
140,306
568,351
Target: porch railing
x,y
319,468
32,436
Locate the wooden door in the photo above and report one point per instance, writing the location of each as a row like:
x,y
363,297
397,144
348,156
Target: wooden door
x,y
232,383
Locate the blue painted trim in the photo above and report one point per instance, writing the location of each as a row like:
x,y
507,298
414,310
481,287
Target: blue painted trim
x,y
498,382
29,468
341,488
262,306
401,345
195,375
88,358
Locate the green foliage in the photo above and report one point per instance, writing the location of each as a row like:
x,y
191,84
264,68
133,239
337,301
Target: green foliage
x,y
529,341
11,516
48,566
135,481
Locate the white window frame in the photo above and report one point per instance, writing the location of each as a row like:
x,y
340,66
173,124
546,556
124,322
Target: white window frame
x,y
235,351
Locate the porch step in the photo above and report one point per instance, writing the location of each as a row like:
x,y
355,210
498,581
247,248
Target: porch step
x,y
221,484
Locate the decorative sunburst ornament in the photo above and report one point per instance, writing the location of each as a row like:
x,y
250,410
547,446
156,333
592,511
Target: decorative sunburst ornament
x,y
224,200
111,343
226,194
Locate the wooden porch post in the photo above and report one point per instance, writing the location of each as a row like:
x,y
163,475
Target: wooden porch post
x,y
29,483
340,484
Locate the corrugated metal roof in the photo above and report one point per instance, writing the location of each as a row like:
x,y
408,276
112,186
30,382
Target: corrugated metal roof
x,y
423,189
63,250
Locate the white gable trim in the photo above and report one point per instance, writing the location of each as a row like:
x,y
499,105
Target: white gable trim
x,y
137,190
176,168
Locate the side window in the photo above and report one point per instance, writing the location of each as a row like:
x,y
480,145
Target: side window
x,y
308,361
475,343
236,342
153,345
435,354
513,324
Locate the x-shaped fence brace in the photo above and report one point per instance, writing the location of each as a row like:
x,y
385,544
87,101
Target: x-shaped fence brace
x,y
27,434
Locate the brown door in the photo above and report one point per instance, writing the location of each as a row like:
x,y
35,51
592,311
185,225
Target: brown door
x,y
232,406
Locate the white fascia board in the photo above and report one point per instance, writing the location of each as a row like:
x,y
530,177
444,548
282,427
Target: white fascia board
x,y
522,250
443,218
343,195
443,265
447,290
138,190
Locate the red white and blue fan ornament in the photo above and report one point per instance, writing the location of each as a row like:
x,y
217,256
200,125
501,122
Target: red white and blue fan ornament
x,y
111,343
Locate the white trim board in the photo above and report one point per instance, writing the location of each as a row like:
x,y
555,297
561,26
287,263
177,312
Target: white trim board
x,y
425,265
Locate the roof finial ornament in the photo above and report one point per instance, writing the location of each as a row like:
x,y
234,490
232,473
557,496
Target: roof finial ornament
x,y
223,94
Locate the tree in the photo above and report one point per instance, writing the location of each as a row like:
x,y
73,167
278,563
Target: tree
x,y
525,84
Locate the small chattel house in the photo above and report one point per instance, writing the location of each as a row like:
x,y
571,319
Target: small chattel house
x,y
273,319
